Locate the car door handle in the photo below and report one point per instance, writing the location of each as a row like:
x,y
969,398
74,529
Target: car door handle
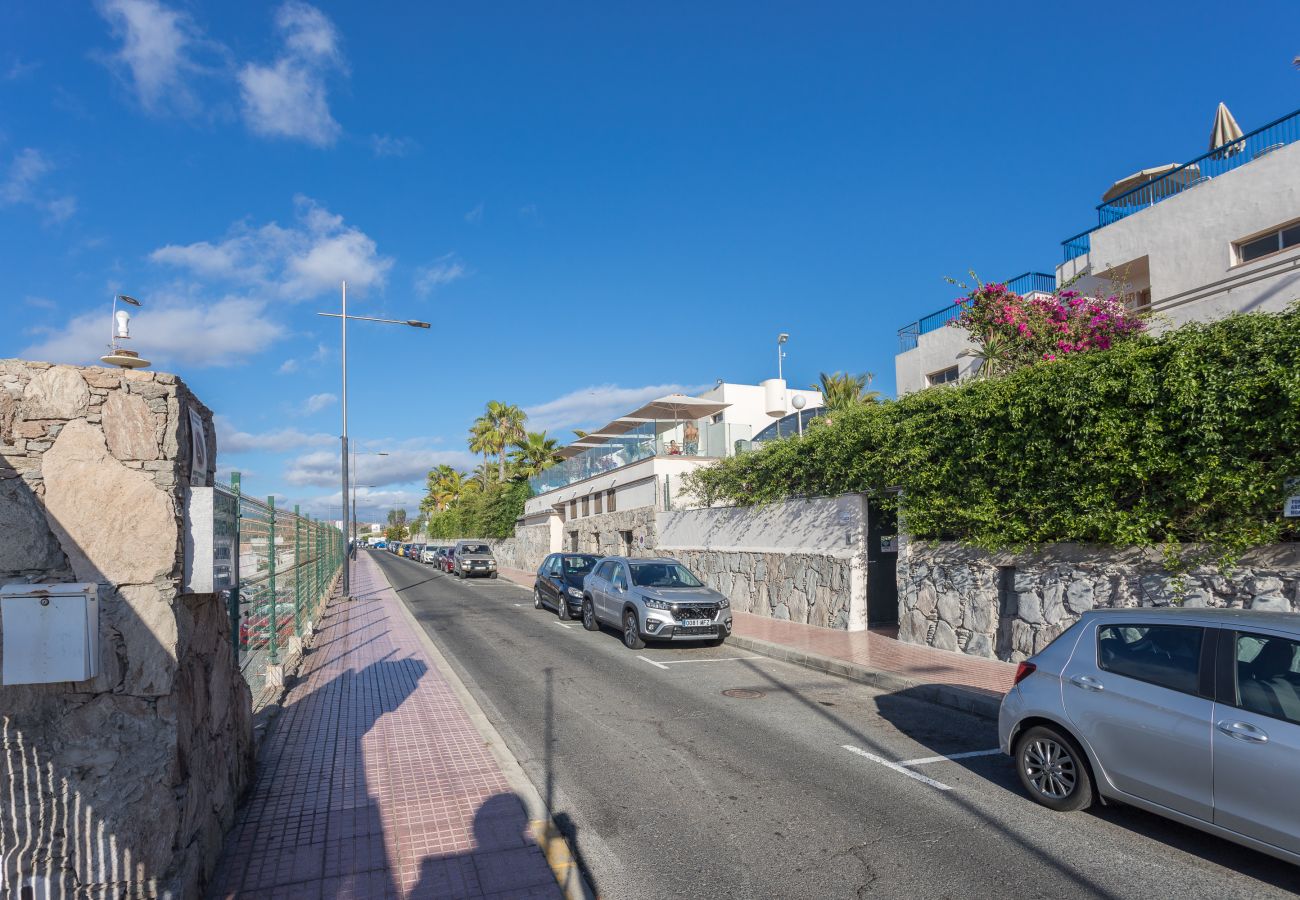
x,y
1087,682
1243,731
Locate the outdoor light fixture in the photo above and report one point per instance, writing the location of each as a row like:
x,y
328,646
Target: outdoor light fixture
x,y
799,402
120,330
780,354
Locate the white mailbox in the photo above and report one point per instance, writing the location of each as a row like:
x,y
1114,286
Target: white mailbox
x,y
51,632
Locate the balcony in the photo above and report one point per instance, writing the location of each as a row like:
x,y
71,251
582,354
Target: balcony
x,y
1247,148
1022,284
696,439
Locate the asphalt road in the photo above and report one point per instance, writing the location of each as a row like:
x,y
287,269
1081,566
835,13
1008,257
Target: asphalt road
x,y
667,787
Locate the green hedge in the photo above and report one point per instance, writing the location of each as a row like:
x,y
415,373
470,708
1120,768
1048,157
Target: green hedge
x,y
490,513
1188,438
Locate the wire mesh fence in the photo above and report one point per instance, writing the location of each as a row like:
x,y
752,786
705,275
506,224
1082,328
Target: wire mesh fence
x,y
287,564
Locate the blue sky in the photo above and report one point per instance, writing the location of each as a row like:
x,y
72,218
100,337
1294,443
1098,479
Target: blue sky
x,y
593,202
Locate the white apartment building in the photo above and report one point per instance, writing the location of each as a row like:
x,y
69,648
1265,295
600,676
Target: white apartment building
x,y
1196,241
603,496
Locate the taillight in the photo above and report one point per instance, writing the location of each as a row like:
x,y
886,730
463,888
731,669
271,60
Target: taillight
x,y
1023,671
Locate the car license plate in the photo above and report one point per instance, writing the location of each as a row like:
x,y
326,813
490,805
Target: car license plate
x,y
696,623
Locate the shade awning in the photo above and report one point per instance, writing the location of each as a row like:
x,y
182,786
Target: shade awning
x,y
1176,175
1226,135
674,408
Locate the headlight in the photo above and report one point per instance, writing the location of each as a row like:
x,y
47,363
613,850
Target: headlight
x,y
492,563
574,592
657,604
723,603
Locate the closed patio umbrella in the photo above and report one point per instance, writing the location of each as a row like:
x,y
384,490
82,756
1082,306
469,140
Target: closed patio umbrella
x,y
1226,134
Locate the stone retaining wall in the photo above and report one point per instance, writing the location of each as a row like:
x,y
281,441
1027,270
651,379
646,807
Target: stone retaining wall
x,y
1009,606
814,589
122,785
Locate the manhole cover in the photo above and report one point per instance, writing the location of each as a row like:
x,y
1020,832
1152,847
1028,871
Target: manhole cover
x,y
743,694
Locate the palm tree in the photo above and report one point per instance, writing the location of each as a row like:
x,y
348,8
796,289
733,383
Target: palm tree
x,y
445,486
534,453
482,439
508,426
841,390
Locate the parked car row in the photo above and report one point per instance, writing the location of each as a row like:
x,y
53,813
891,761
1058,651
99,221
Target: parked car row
x,y
655,599
464,559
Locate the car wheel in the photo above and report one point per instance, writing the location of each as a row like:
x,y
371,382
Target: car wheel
x,y
537,599
563,611
589,616
1053,769
632,632
493,575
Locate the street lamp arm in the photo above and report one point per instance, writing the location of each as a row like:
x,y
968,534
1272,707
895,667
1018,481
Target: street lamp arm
x,y
414,323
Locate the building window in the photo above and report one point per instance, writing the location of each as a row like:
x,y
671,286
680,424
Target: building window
x,y
943,376
610,503
573,509
600,499
1279,239
586,506
1138,301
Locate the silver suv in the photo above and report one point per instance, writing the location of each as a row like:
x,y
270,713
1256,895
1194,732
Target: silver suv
x,y
473,558
653,599
1193,714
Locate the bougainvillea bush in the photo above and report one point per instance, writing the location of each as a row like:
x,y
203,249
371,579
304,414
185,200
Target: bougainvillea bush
x,y
1188,437
1013,331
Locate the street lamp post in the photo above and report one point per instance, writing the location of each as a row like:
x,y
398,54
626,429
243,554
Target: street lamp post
x,y
343,317
780,353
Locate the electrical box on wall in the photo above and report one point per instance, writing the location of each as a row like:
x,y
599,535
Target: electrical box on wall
x,y
50,632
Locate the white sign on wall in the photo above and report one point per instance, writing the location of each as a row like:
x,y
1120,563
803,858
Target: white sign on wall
x,y
198,450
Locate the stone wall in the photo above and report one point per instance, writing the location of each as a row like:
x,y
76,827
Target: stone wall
x,y
798,587
122,785
525,550
1010,606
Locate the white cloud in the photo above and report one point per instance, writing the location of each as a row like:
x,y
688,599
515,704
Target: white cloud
x,y
475,215
316,402
168,331
401,466
19,69
288,98
385,145
597,405
442,271
297,263
231,440
372,506
288,366
23,184
157,47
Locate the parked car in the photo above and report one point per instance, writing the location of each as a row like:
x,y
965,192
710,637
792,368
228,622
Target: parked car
x,y
1192,714
653,599
429,553
474,558
416,552
559,582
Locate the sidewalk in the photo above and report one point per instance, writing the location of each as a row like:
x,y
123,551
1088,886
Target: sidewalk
x,y
964,682
374,781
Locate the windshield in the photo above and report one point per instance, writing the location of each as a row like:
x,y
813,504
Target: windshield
x,y
663,575
475,548
579,564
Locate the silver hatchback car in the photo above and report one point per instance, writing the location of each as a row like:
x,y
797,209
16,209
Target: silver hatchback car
x,y
1193,714
653,599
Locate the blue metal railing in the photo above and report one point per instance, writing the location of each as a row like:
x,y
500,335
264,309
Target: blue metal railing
x,y
908,335
1246,148
1078,245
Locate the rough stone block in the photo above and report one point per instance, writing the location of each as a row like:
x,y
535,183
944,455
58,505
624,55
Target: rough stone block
x,y
130,428
1079,596
945,637
56,393
1029,607
927,599
1270,604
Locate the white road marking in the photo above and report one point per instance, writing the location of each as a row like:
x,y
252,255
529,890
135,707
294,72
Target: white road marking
x,y
518,604
674,662
652,662
926,760
896,767
561,624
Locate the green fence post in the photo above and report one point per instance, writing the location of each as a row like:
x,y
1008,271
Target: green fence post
x,y
297,572
235,637
273,657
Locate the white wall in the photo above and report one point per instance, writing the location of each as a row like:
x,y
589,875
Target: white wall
x,y
835,526
640,484
1187,242
748,404
934,351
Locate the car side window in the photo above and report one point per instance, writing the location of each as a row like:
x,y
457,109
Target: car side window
x,y
620,578
1268,676
555,567
1166,655
604,570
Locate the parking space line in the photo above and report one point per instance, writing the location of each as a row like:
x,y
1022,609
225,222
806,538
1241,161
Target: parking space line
x,y
561,624
653,663
896,767
926,760
674,662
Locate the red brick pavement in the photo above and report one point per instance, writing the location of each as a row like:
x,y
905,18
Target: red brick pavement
x,y
876,649
374,782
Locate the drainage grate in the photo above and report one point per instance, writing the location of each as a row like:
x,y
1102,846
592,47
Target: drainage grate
x,y
743,694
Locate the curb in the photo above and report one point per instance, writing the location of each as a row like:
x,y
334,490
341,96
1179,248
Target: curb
x,y
559,855
967,700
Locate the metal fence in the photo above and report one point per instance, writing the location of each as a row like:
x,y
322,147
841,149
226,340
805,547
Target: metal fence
x,y
909,335
286,566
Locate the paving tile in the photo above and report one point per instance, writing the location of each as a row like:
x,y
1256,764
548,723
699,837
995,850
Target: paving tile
x,y
374,782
